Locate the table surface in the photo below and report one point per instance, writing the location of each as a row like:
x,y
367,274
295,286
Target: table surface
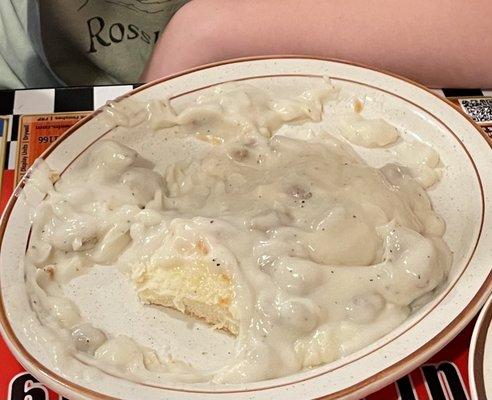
x,y
32,119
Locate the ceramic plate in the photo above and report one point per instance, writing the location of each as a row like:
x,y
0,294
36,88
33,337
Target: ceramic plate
x,y
480,356
463,198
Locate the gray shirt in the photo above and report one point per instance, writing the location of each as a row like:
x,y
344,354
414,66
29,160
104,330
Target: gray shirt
x,y
78,42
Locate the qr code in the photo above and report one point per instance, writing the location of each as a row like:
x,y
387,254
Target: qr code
x,y
479,109
488,131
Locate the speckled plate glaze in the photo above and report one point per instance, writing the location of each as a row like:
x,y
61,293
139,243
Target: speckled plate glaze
x,y
480,355
463,198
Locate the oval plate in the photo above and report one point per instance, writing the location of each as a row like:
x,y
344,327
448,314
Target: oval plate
x,y
480,355
462,198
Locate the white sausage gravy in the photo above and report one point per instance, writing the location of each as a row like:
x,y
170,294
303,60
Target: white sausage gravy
x,y
325,253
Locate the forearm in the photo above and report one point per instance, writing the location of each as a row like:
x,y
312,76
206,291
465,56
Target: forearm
x,y
438,42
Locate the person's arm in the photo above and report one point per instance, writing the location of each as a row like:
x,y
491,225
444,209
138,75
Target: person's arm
x,y
20,64
440,43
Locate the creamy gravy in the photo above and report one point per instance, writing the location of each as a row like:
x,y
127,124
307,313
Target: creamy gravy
x,y
327,254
